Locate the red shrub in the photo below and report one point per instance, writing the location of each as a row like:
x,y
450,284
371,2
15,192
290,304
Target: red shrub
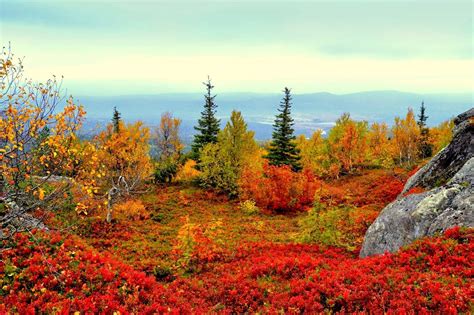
x,y
45,273
279,188
373,187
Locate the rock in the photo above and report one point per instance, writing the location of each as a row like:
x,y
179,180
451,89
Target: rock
x,y
449,160
448,203
15,219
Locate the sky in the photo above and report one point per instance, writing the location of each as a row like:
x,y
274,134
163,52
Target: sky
x,y
106,47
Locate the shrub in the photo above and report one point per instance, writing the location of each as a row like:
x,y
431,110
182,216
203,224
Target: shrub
x,y
249,207
325,226
198,245
278,188
163,273
165,171
131,210
51,273
187,172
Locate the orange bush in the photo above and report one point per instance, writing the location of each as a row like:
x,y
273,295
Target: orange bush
x,y
187,172
278,188
131,210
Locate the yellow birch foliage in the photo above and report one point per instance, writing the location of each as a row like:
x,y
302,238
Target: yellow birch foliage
x,y
406,136
125,153
441,135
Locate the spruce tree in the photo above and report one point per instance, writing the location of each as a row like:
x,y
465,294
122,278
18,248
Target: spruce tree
x,y
422,118
116,120
425,149
208,124
283,150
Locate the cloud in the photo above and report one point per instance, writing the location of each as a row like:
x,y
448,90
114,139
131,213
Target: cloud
x,y
339,46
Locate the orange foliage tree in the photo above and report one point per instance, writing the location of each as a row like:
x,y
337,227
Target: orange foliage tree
x,y
347,143
380,149
125,155
36,138
406,136
313,153
441,135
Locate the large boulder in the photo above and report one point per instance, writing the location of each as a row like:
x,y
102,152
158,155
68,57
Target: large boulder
x,y
449,201
449,160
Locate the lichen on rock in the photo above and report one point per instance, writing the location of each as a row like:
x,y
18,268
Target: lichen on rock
x,y
436,210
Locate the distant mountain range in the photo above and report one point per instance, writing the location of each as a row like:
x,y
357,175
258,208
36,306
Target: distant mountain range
x,y
310,111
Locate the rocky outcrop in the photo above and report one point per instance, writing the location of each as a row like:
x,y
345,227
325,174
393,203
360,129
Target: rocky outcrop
x,y
449,202
450,160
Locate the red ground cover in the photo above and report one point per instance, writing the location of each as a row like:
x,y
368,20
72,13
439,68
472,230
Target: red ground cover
x,y
50,273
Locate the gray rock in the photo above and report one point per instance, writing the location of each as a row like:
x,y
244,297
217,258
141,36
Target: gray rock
x,y
18,220
444,206
449,160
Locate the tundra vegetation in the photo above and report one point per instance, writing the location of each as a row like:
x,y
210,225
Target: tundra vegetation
x,y
108,225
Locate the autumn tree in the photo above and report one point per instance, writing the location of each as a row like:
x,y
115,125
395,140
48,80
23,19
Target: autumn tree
x,y
347,143
406,135
169,147
127,161
30,119
313,152
283,150
222,162
208,125
380,149
168,142
425,148
441,135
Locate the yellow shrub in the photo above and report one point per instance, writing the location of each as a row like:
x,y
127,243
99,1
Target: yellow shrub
x,y
131,210
187,172
249,207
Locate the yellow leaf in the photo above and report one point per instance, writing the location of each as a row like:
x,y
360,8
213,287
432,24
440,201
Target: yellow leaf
x,y
40,194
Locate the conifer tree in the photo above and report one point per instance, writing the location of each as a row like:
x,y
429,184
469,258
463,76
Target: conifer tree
x,y
283,150
422,118
116,119
425,148
208,124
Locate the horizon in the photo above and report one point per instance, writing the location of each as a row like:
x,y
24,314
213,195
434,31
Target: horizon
x,y
166,47
466,93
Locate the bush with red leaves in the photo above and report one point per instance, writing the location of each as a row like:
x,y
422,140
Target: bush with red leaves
x,y
47,273
279,189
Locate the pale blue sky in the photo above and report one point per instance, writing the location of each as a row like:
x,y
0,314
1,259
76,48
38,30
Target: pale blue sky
x,y
127,47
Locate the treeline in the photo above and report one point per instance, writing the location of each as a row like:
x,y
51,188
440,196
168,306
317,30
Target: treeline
x,y
231,162
45,165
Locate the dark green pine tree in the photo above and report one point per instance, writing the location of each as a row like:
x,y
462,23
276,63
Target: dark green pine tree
x,y
208,124
422,118
116,120
283,150
425,149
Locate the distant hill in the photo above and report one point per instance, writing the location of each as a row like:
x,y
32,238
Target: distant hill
x,y
311,111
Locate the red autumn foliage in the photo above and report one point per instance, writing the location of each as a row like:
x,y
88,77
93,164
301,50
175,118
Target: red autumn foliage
x,y
378,187
280,189
415,190
49,273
